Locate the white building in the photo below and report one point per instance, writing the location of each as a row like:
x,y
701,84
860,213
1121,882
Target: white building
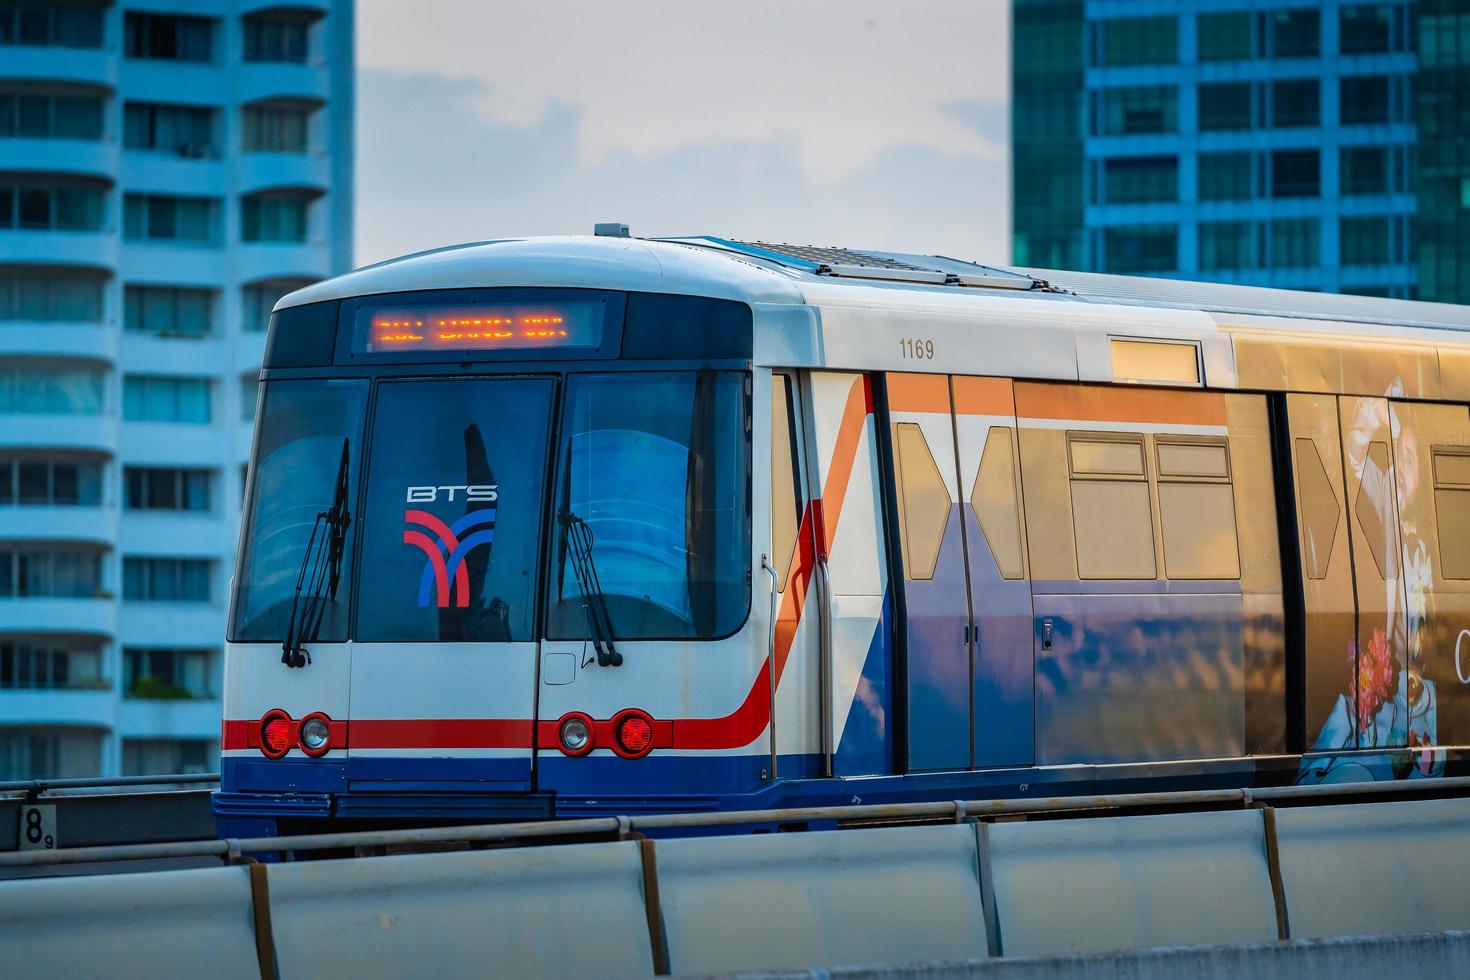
x,y
168,168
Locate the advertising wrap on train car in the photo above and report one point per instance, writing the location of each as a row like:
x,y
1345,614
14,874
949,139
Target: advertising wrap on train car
x,y
479,326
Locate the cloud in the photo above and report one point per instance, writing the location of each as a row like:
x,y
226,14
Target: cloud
x,y
433,169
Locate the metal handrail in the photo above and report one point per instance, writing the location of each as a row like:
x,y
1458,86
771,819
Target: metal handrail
x,y
624,826
100,782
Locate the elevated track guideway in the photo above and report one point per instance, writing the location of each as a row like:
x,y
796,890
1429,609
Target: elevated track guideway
x,y
986,886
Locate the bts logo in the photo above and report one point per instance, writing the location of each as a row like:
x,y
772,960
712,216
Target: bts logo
x,y
446,546
483,493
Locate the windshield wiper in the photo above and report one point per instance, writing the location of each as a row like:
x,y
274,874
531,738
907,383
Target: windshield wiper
x,y
594,600
321,572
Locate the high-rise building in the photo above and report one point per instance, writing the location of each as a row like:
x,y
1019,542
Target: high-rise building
x,y
167,171
1317,145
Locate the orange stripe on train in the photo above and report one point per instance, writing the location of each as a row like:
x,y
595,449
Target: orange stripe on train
x,y
1096,403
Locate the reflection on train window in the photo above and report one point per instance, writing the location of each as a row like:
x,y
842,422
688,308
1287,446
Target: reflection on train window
x,y
996,504
656,466
1112,516
923,502
785,498
1374,491
1452,509
1197,511
1319,509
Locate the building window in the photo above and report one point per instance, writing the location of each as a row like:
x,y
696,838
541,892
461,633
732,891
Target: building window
x,y
1365,28
33,572
49,391
27,480
1295,243
50,295
1225,37
48,665
1296,102
51,25
166,674
249,394
1444,38
166,579
152,398
1225,176
273,218
168,756
258,299
1225,106
185,130
38,116
1225,245
1364,99
1295,33
1141,248
1364,170
275,129
1132,180
169,37
31,753
154,217
49,207
1295,173
1366,240
1140,41
167,488
276,37
167,311
1139,109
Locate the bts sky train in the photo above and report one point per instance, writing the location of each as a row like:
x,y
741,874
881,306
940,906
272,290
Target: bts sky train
x,y
574,526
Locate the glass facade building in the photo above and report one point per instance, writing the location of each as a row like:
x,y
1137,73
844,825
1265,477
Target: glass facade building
x,y
167,172
1321,146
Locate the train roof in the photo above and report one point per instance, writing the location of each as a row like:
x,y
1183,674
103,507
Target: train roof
x,y
767,273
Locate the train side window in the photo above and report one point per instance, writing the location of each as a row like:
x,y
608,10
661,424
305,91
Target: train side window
x,y
785,487
1319,509
1197,510
1111,514
995,502
923,502
1369,517
1452,508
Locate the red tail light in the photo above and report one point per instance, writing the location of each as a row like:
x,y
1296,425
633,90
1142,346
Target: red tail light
x,y
276,734
632,734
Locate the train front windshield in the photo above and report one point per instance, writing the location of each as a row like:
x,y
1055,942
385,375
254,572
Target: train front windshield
x,y
491,507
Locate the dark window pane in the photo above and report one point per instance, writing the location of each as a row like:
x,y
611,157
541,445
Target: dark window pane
x,y
1142,248
1365,170
1225,37
1140,40
1225,245
1130,180
1295,243
1295,33
1139,109
1364,99
1225,106
1224,176
1295,173
1365,28
1365,240
1296,102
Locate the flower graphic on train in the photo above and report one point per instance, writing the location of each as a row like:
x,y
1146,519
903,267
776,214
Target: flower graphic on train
x,y
1375,677
445,579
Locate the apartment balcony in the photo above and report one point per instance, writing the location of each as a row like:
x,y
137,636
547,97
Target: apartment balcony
x,y
92,158
267,171
172,443
144,353
91,708
249,351
33,614
171,624
45,522
90,65
178,534
169,718
284,260
95,433
175,172
247,7
186,263
260,80
93,249
84,341
182,82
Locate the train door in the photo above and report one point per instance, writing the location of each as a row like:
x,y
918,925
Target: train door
x,y
443,670
967,623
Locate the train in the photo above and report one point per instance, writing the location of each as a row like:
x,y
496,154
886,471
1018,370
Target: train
x,y
592,525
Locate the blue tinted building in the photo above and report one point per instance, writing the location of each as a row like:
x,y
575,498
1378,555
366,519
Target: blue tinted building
x,y
1321,146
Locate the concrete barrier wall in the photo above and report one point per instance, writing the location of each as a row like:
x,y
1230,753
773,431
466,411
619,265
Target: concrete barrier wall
x,y
794,900
780,901
1376,867
544,911
145,926
1068,886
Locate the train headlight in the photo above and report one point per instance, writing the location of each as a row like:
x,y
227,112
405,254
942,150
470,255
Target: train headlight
x,y
316,735
632,734
575,733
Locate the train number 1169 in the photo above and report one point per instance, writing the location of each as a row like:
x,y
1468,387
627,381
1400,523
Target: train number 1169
x,y
915,348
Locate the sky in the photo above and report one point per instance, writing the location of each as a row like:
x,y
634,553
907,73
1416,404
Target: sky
x,y
864,123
